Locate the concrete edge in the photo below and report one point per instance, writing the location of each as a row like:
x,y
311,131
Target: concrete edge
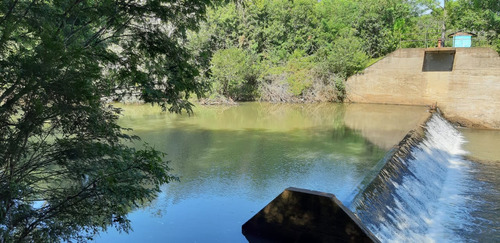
x,y
301,215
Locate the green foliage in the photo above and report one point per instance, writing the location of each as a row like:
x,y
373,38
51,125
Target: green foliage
x,y
300,46
373,61
65,171
477,16
60,146
347,56
298,71
340,88
497,44
234,74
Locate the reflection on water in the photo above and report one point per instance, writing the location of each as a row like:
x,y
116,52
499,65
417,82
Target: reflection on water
x,y
232,161
482,144
384,125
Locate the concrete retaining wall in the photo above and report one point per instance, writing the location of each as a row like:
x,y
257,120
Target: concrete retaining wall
x,y
469,94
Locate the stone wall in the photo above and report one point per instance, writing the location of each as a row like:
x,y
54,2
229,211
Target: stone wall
x,y
468,95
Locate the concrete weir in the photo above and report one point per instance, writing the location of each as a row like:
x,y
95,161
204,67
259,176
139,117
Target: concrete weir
x,y
463,82
299,215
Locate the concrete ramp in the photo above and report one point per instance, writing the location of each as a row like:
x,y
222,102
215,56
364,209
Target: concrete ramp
x,y
299,215
468,91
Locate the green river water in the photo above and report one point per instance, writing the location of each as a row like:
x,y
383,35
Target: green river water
x,y
233,160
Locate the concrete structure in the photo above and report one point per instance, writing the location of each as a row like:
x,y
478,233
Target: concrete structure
x,y
299,215
468,94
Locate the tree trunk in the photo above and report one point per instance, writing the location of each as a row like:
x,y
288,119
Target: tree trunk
x,y
443,27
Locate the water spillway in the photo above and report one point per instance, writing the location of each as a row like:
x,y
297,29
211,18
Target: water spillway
x,y
419,194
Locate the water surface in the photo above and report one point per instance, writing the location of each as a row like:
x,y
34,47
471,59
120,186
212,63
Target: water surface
x,y
232,161
484,193
441,187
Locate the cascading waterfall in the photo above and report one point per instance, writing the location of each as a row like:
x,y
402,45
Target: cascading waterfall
x,y
419,194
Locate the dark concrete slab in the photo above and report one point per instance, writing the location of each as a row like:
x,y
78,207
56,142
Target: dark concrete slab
x,y
438,61
299,215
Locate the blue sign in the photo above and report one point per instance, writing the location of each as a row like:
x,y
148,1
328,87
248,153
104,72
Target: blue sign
x,y
462,41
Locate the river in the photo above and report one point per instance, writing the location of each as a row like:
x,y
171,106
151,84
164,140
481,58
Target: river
x,y
233,160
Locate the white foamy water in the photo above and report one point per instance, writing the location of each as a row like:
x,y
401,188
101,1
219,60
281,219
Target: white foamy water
x,y
421,197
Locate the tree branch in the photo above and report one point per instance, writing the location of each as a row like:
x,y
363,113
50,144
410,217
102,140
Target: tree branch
x,y
11,9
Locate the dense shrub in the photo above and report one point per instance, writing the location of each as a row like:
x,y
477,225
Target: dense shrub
x,y
234,74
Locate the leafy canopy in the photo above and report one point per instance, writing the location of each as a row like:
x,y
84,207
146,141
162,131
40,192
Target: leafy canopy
x,y
65,171
302,48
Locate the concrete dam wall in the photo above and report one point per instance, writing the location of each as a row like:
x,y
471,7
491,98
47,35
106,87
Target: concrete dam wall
x,y
463,82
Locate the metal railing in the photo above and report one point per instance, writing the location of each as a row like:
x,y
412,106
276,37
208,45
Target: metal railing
x,y
430,39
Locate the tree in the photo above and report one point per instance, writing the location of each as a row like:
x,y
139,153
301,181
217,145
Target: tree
x,y
443,28
65,171
234,74
478,16
347,56
290,39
